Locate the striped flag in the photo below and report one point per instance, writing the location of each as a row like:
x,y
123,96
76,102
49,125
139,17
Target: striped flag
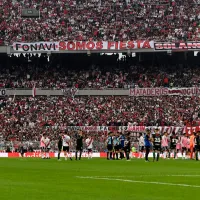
x,y
33,90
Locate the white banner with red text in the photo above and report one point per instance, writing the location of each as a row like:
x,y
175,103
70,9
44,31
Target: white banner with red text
x,y
82,45
192,91
104,45
177,46
84,155
132,128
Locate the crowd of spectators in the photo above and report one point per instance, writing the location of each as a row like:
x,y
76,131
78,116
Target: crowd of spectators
x,y
93,72
27,117
159,20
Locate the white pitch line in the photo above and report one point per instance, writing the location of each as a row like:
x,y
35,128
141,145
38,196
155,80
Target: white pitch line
x,y
146,175
132,181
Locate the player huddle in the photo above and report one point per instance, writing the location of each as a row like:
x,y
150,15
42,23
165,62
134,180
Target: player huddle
x,y
117,146
168,145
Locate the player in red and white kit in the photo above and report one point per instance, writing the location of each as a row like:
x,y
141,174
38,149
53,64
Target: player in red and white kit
x,y
165,145
184,143
66,144
42,146
89,143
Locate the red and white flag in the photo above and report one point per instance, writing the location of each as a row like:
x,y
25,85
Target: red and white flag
x,y
33,90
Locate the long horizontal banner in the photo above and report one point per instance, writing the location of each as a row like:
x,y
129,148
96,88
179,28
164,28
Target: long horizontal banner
x,y
84,155
103,45
82,45
193,91
132,128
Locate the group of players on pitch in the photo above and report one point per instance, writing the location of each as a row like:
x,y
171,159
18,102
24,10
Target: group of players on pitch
x,y
65,143
156,142
119,144
169,144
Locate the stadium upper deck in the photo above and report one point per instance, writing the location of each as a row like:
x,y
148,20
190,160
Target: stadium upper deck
x,y
159,20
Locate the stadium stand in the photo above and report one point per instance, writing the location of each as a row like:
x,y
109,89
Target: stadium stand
x,y
110,20
95,72
24,118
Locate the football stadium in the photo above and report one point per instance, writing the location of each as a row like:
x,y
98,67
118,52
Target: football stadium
x,y
99,99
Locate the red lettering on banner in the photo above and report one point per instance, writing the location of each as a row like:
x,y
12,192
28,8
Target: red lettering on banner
x,y
122,45
191,45
116,45
167,46
142,128
158,46
144,92
137,92
157,93
173,46
130,45
99,45
182,46
90,45
80,45
193,129
62,46
165,91
70,46
146,45
153,92
138,44
111,44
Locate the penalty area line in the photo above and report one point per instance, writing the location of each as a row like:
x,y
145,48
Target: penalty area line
x,y
143,182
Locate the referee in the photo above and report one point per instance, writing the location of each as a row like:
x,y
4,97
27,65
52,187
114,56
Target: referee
x,y
147,144
79,144
59,145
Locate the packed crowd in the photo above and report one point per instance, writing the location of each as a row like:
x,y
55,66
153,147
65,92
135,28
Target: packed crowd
x,y
160,20
26,118
95,72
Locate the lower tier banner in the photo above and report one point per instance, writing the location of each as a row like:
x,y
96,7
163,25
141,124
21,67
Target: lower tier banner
x,y
84,155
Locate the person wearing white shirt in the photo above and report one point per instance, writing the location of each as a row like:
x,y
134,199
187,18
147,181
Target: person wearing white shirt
x,y
47,147
66,143
141,146
89,143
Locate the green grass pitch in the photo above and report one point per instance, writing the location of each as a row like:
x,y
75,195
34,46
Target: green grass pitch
x,y
98,179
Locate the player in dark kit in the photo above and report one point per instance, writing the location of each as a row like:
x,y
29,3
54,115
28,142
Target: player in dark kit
x,y
109,143
79,144
157,138
127,148
173,143
197,145
22,150
59,145
116,143
121,145
147,145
